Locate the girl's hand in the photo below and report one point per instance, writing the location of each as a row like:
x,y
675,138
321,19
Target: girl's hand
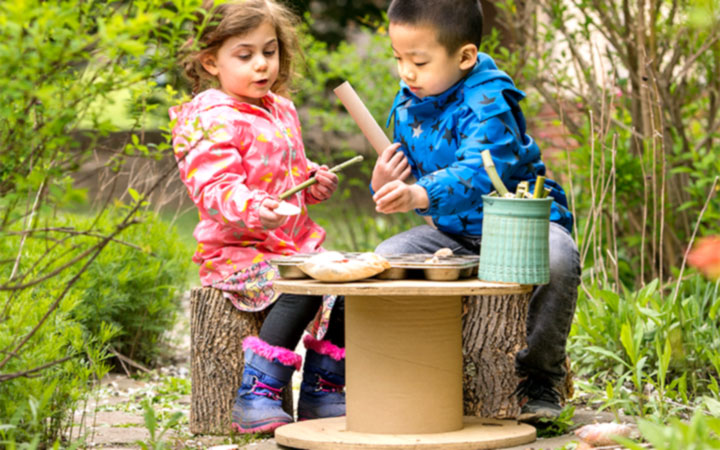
x,y
326,184
397,196
390,165
268,218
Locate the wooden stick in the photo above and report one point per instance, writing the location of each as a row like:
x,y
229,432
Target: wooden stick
x,y
313,180
539,187
522,189
492,173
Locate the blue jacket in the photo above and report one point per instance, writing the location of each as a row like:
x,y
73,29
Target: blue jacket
x,y
443,135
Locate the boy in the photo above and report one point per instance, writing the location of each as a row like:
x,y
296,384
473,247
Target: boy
x,y
454,103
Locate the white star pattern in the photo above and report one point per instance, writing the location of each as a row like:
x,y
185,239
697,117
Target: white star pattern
x,y
417,131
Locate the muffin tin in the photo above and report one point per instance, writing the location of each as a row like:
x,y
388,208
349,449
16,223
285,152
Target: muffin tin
x,y
402,266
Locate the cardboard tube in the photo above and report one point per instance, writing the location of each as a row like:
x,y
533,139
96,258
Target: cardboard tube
x,y
362,117
404,366
372,131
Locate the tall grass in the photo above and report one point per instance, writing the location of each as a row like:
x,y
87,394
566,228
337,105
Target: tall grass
x,y
645,341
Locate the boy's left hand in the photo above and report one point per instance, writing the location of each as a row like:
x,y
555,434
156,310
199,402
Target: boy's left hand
x,y
326,184
397,196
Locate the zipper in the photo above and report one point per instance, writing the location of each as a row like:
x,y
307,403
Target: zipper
x,y
291,148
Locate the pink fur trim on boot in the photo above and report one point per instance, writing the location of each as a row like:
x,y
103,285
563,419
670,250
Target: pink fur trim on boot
x,y
271,352
324,348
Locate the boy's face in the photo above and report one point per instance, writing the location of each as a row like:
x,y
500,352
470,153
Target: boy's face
x,y
423,63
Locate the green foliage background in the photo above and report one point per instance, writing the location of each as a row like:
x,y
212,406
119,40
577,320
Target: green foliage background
x,y
126,301
73,288
641,171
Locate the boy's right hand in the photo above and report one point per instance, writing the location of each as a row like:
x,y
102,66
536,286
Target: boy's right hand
x,y
391,165
268,218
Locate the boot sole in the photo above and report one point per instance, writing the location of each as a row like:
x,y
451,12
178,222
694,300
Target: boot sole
x,y
536,416
263,427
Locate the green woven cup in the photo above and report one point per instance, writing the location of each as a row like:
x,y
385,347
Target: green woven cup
x,y
515,240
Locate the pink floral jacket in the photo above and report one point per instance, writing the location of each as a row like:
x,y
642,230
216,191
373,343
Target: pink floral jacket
x,y
232,156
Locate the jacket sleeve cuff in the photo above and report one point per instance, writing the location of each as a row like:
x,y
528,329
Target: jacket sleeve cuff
x,y
435,193
309,198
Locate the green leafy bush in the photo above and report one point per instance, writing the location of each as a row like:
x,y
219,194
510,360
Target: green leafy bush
x,y
135,287
127,299
42,387
701,432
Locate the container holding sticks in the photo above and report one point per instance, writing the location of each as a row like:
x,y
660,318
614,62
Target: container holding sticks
x,y
516,229
515,246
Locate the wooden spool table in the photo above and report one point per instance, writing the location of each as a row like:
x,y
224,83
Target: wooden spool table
x,y
404,369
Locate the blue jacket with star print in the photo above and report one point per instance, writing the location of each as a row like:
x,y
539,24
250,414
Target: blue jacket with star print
x,y
443,135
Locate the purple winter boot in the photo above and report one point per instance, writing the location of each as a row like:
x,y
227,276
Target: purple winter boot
x,y
322,389
258,404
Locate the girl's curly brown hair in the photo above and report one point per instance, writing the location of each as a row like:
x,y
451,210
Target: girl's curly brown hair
x,y
236,18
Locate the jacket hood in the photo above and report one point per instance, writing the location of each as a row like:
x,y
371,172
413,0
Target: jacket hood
x,y
486,70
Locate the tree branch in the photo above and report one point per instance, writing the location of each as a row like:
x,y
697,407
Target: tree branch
x,y
37,281
711,194
75,232
27,373
29,220
688,64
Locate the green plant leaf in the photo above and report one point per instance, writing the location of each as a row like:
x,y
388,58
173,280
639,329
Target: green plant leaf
x,y
628,342
134,194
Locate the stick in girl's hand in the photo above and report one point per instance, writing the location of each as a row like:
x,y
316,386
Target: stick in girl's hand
x,y
313,180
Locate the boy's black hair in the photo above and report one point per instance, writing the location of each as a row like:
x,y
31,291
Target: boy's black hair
x,y
458,22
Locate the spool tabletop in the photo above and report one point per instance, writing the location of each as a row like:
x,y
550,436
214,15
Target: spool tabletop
x,y
470,286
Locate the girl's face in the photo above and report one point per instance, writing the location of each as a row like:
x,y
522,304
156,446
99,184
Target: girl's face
x,y
247,65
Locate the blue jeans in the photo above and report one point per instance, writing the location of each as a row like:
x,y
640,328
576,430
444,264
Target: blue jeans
x,y
552,306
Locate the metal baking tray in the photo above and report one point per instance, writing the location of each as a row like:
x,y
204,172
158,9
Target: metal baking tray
x,y
402,266
287,266
424,266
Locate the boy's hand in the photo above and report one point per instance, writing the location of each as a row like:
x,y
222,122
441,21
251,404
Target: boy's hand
x,y
390,165
268,218
326,184
397,196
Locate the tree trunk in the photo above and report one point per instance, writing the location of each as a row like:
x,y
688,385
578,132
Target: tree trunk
x,y
493,332
217,329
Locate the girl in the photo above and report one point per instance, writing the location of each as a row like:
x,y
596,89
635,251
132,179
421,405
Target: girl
x,y
238,146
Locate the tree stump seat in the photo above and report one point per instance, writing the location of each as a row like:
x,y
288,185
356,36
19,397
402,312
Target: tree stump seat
x,y
493,332
217,329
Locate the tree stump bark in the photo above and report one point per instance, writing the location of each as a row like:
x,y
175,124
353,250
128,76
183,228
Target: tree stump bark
x,y
217,329
494,330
